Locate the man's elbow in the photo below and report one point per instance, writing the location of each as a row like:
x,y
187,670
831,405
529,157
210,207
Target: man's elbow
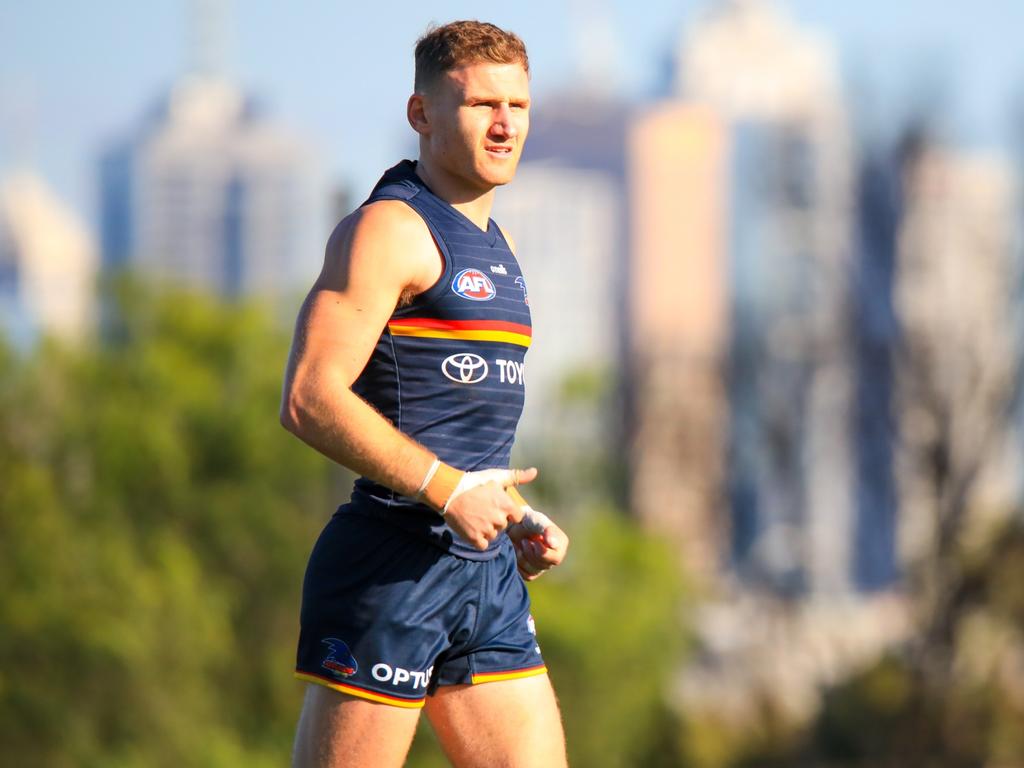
x,y
294,413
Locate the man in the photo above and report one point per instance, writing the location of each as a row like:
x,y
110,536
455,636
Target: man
x,y
407,368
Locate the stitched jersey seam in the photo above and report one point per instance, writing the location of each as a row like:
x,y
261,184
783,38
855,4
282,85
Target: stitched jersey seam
x,y
398,387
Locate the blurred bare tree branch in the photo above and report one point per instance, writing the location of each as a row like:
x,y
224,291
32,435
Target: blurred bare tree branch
x,y
958,375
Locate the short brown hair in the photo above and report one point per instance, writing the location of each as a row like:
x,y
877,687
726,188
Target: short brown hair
x,y
444,48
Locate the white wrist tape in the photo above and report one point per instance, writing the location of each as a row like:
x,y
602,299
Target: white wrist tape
x,y
472,480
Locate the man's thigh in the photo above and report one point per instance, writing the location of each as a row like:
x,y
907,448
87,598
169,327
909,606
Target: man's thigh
x,y
340,731
506,724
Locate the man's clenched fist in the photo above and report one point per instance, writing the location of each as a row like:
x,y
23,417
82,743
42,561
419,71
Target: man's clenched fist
x,y
540,544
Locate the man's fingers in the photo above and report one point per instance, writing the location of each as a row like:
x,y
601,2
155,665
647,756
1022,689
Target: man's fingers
x,y
515,514
537,549
553,539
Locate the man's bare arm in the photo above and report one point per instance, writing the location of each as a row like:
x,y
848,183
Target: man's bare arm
x,y
372,258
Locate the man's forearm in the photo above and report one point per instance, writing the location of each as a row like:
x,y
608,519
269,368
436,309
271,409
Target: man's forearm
x,y
349,431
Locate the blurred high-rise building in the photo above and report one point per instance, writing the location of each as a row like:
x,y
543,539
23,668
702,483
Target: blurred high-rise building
x,y
789,479
47,264
678,327
210,192
875,332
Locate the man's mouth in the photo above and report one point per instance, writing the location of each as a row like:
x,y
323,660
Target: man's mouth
x,y
499,150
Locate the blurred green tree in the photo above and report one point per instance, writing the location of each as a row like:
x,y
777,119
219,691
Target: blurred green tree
x,y
893,714
610,626
154,524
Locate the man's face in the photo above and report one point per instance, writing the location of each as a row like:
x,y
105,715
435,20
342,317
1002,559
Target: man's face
x,y
477,118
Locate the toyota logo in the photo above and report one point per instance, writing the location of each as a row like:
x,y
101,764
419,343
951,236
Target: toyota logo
x,y
465,368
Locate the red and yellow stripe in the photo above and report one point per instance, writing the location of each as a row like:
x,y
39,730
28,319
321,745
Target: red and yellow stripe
x,y
466,330
493,677
362,693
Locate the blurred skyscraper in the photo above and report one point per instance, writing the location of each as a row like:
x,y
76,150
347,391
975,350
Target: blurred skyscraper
x,y
876,339
678,327
210,191
789,467
47,264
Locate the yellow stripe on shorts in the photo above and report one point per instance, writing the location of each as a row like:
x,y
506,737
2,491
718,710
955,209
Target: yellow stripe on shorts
x,y
493,677
362,693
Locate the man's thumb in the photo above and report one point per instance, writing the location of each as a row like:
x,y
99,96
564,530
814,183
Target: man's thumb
x,y
518,477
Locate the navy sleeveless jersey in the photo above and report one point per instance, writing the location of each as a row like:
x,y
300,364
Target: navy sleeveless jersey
x,y
448,368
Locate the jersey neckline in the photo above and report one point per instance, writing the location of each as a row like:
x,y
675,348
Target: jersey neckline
x,y
408,169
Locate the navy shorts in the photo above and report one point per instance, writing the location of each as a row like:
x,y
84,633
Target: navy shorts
x,y
388,617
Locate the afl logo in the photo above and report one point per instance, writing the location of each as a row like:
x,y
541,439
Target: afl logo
x,y
465,368
474,285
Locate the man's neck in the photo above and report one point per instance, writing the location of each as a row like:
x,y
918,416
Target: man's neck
x,y
471,203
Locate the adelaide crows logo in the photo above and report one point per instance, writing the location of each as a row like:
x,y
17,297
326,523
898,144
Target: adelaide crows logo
x,y
340,660
522,285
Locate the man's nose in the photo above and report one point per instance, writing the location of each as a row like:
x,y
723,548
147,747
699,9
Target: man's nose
x,y
503,123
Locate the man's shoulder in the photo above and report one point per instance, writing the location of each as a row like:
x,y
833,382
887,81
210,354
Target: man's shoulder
x,y
384,235
381,224
385,219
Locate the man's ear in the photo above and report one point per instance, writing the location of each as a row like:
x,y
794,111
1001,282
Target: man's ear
x,y
416,113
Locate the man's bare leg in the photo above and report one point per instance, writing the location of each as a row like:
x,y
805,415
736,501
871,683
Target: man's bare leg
x,y
506,724
340,731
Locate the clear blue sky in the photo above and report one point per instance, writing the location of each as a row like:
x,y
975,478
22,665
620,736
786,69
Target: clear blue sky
x,y
74,74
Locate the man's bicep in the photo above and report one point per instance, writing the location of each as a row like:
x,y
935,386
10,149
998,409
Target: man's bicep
x,y
338,330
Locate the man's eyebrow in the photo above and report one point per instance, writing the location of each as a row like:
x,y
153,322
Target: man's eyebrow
x,y
492,97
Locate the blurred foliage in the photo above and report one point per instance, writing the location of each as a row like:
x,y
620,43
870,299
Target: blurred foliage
x,y
893,713
580,450
609,627
766,740
154,526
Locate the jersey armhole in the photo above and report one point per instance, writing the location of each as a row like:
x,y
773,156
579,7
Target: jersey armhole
x,y
406,193
437,290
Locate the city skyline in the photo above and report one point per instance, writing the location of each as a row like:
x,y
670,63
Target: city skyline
x,y
179,205
102,65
